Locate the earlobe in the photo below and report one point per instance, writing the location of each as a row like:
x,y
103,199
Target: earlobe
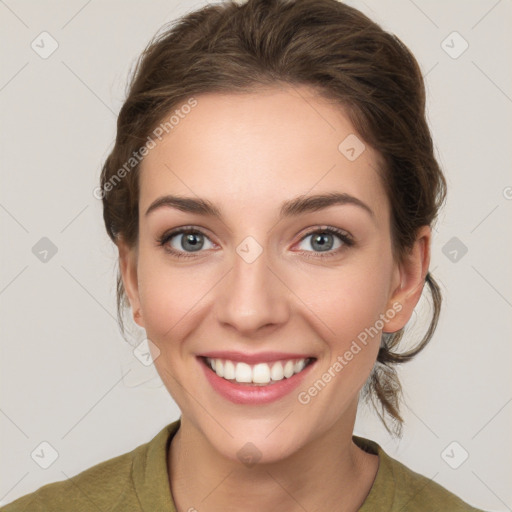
x,y
412,274
128,269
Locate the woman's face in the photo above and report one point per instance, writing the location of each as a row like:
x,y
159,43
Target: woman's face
x,y
287,295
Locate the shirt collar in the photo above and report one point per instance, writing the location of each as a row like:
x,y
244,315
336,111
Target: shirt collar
x,y
149,471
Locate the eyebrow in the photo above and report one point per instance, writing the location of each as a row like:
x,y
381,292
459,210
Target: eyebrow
x,y
290,208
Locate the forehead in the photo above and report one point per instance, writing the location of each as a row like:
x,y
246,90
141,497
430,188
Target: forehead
x,y
262,146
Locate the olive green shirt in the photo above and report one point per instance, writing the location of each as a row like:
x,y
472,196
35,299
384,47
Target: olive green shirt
x,y
138,481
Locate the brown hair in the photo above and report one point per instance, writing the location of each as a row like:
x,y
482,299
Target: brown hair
x,y
345,57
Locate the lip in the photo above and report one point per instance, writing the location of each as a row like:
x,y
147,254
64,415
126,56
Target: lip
x,y
261,357
253,395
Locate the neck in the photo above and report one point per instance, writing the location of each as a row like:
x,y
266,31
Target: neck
x,y
330,473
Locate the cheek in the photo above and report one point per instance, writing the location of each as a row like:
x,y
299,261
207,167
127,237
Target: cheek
x,y
348,300
171,298
349,303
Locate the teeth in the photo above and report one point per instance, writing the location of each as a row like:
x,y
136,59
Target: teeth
x,y
219,368
277,372
261,373
243,372
229,370
288,369
299,366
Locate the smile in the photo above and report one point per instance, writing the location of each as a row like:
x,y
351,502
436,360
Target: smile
x,y
255,379
261,374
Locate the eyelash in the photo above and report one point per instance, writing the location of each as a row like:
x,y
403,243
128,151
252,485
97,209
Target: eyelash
x,y
342,235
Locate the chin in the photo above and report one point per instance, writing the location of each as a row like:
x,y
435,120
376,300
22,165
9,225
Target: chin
x,y
259,448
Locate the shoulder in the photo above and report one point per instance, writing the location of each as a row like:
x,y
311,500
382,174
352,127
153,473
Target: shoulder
x,y
110,485
94,489
401,488
422,493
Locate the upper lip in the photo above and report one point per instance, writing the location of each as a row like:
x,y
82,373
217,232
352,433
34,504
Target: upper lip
x,y
259,357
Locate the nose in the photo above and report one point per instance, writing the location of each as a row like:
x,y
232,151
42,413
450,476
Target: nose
x,y
252,299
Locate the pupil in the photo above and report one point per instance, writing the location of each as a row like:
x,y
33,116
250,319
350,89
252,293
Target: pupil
x,y
322,242
192,241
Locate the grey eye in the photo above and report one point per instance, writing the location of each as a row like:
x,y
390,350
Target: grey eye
x,y
189,242
321,242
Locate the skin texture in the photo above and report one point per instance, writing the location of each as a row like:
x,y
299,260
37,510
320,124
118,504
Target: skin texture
x,y
247,153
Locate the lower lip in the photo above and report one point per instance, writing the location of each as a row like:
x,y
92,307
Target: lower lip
x,y
253,395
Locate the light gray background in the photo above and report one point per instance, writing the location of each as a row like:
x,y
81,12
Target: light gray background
x,y
67,376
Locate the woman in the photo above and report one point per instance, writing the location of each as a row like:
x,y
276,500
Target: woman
x,y
271,192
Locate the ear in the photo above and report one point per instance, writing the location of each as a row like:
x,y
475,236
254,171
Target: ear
x,y
409,280
128,268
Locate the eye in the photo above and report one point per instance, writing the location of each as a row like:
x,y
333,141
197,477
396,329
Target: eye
x,y
326,240
185,240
